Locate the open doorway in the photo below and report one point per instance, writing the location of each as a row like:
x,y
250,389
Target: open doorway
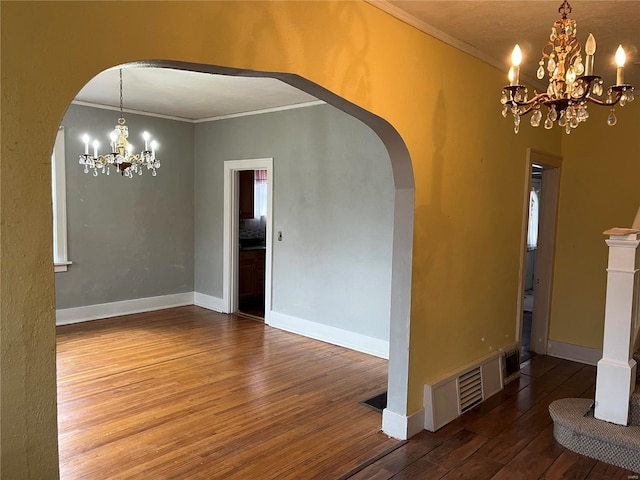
x,y
395,416
252,232
528,300
543,184
248,227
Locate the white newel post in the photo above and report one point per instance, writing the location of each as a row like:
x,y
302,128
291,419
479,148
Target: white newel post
x,y
616,375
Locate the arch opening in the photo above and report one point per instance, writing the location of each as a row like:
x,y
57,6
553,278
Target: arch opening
x,y
395,416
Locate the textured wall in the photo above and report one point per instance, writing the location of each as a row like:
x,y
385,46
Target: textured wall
x,y
333,198
127,238
598,190
469,170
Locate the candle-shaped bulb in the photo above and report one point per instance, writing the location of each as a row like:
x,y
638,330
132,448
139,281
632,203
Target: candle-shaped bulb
x,y
516,55
154,145
85,139
590,45
514,71
590,48
96,144
621,57
114,137
146,137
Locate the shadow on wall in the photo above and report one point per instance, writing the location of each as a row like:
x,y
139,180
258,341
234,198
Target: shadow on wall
x,y
431,218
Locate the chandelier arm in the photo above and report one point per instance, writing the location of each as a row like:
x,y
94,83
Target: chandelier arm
x,y
538,98
605,103
527,110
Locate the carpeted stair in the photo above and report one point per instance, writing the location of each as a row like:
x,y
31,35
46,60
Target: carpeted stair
x,y
575,428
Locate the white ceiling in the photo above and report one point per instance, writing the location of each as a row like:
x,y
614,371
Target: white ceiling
x,y
485,29
189,95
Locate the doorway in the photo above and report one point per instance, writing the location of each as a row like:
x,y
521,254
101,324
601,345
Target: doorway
x,y
528,301
252,232
539,231
248,227
398,421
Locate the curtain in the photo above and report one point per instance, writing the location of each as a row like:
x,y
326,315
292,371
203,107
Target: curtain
x,y
260,194
532,234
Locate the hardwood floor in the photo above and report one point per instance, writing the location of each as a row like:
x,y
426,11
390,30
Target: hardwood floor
x,y
190,394
508,437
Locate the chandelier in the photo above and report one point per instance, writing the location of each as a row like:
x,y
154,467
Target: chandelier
x,y
572,82
121,157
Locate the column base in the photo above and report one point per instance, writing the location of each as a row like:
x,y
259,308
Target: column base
x,y
615,381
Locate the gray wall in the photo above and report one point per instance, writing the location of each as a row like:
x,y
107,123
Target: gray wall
x,y
127,238
333,198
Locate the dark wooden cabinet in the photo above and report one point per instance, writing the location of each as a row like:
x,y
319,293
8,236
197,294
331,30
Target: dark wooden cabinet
x,y
246,275
246,193
260,262
251,273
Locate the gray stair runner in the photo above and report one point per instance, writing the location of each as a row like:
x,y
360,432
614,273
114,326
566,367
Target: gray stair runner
x,y
575,428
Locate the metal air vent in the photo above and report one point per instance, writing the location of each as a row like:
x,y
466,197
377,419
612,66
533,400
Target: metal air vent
x,y
469,389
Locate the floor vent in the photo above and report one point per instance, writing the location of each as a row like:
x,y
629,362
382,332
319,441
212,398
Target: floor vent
x,y
377,402
511,364
470,389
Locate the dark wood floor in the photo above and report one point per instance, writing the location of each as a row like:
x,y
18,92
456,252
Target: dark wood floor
x,y
508,437
190,394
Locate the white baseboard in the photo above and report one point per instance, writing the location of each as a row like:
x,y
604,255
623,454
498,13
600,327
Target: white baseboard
x,y
125,307
400,426
333,335
207,301
576,353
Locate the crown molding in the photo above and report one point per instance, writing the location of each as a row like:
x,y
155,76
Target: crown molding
x,y
128,110
259,112
200,120
424,27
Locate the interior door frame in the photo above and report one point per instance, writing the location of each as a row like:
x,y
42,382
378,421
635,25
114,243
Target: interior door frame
x,y
543,280
231,220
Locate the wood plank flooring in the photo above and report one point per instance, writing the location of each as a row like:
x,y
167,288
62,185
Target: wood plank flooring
x,y
190,394
187,393
508,437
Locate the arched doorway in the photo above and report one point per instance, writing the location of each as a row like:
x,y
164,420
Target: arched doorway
x,y
395,417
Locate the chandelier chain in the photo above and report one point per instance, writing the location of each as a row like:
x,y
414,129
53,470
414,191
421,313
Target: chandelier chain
x,y
120,92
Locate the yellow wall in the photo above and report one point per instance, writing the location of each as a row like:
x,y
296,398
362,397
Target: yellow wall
x,y
599,190
469,166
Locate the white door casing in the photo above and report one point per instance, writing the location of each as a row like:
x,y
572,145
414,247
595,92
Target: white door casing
x,y
545,251
231,238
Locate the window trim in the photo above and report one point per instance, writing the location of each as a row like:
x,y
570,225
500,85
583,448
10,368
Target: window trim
x,y
59,203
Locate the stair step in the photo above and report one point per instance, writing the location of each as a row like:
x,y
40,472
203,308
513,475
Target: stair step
x,y
575,428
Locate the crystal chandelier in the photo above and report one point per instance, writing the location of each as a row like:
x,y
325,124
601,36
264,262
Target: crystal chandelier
x,y
572,83
121,157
